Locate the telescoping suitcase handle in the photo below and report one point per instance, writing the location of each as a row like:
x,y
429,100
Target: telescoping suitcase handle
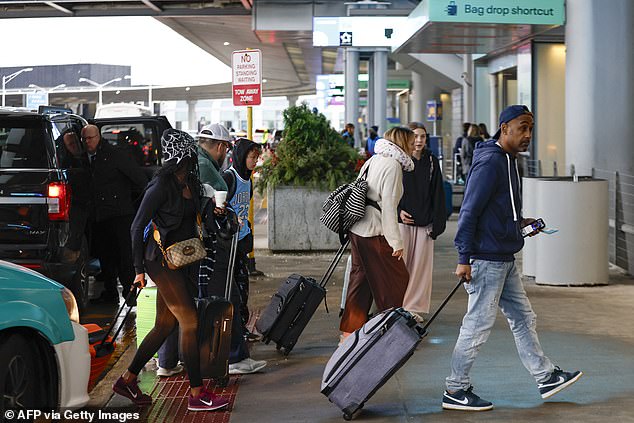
x,y
133,292
232,261
444,303
333,264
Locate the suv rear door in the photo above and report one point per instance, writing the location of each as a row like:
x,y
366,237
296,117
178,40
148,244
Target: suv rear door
x,y
140,136
26,172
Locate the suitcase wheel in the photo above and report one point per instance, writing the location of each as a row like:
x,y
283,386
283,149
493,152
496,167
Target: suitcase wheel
x,y
348,412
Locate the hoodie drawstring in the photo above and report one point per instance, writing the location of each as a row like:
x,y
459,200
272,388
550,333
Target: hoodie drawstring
x,y
508,161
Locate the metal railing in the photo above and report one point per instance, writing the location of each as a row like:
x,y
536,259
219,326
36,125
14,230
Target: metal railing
x,y
621,217
620,207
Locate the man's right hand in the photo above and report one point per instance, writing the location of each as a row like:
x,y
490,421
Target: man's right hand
x,y
464,271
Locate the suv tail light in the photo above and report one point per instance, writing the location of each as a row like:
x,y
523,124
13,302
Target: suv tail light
x,y
58,201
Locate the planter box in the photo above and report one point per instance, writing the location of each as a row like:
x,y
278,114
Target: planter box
x,y
293,220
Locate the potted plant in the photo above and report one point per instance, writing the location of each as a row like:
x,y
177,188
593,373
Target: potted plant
x,y
311,160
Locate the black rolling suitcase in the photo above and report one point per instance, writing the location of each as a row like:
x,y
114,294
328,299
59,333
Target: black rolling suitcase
x,y
292,307
215,315
371,355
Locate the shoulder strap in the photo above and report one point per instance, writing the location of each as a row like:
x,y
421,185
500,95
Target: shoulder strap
x,y
368,202
231,186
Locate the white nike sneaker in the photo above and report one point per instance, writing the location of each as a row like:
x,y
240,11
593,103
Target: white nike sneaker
x,y
557,381
246,366
162,372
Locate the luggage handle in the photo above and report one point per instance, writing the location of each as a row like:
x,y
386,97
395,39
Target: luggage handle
x,y
136,293
233,252
333,264
444,303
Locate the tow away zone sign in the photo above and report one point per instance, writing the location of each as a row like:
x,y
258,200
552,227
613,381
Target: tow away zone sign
x,y
246,67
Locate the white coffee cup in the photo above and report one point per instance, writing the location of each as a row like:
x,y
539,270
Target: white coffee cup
x,y
221,197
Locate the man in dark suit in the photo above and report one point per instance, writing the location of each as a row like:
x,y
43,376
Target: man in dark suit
x,y
115,180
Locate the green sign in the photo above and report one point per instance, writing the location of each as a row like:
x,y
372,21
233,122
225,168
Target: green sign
x,y
392,84
532,12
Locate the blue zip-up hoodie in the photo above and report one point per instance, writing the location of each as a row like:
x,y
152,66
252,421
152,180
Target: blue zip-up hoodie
x,y
490,215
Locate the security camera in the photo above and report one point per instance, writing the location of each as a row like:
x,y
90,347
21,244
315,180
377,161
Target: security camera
x,y
388,32
463,75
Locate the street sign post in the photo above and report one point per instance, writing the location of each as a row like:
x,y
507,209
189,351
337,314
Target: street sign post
x,y
246,88
246,68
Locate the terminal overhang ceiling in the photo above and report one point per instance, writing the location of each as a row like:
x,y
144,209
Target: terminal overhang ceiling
x,y
290,62
462,38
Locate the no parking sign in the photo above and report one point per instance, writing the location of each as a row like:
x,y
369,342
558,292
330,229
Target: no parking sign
x,y
246,67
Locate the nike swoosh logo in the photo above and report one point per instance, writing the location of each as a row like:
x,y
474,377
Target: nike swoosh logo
x,y
208,404
134,395
559,382
464,401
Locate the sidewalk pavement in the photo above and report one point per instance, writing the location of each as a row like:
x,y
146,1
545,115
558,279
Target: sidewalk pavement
x,y
585,328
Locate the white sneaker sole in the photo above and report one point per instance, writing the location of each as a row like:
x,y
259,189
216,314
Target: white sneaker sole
x,y
562,386
212,408
465,407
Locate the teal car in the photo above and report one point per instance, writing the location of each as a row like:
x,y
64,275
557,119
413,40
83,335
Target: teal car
x,y
44,351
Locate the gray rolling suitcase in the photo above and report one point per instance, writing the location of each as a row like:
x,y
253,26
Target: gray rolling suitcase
x,y
371,355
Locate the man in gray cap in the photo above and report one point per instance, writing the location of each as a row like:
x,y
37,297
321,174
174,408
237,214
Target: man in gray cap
x,y
214,141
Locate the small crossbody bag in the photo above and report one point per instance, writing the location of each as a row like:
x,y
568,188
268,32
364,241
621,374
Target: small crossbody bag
x,y
183,253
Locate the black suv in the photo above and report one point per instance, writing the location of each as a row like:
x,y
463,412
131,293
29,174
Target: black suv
x,y
39,186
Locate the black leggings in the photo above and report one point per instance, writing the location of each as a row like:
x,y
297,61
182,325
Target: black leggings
x,y
174,305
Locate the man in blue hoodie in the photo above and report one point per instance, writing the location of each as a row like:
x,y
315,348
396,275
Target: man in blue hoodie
x,y
488,237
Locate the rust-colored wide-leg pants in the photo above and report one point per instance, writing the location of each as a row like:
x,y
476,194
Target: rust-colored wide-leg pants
x,y
375,275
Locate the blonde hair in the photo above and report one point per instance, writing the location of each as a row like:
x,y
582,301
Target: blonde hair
x,y
402,137
474,131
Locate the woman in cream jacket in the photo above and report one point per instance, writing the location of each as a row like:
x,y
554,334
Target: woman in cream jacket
x,y
378,272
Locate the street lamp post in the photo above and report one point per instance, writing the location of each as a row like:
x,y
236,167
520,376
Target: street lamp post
x,y
99,86
38,88
7,78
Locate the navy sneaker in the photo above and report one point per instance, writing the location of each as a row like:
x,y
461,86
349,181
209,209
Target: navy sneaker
x,y
465,400
558,380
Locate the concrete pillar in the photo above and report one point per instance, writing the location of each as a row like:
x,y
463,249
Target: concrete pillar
x,y
467,88
379,69
371,94
292,100
599,85
417,98
421,92
351,94
192,123
493,93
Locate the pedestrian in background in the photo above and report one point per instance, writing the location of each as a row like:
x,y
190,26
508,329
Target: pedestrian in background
x,y
115,180
238,178
373,136
457,153
172,203
468,146
378,273
422,218
484,132
348,134
488,236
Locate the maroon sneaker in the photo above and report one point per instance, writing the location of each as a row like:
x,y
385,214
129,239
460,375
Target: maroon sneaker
x,y
131,390
206,401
